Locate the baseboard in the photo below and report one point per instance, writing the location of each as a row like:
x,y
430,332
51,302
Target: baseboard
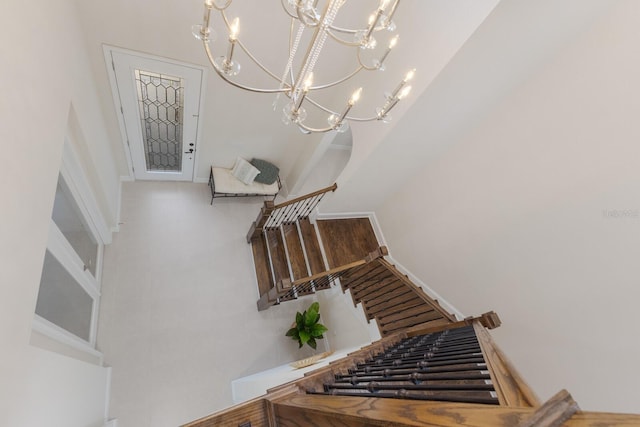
x,y
123,178
107,401
380,236
201,180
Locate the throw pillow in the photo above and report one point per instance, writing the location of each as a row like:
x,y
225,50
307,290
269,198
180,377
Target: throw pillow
x,y
268,171
244,171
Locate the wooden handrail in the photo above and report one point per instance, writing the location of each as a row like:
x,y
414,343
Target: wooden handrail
x,y
554,412
284,286
378,253
306,196
511,388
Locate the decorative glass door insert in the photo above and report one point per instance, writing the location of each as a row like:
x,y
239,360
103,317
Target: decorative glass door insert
x,y
161,102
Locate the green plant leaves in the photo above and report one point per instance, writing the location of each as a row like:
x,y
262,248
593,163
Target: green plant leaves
x,y
299,319
293,332
307,329
312,343
311,318
317,330
304,336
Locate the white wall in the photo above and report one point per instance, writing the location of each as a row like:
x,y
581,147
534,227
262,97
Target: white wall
x,y
44,67
510,217
61,392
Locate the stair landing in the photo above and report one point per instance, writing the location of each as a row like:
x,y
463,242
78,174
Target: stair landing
x,y
278,253
347,240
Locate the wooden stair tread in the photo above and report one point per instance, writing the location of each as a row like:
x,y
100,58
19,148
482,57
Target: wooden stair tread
x,y
411,321
294,248
278,255
347,240
312,246
261,261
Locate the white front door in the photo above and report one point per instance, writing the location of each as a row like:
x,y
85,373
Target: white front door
x,y
160,103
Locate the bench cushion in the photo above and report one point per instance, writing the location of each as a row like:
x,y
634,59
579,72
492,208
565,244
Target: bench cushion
x,y
268,171
225,182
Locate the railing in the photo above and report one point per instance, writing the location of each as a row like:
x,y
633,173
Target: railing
x,y
273,216
287,290
391,392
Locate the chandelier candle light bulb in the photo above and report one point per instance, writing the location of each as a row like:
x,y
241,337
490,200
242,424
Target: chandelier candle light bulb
x,y
404,81
392,102
311,31
352,101
392,44
373,19
233,36
305,89
392,11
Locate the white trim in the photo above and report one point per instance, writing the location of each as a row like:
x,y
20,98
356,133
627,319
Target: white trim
x,y
116,227
107,399
62,250
78,184
51,330
108,52
380,236
200,180
113,84
433,294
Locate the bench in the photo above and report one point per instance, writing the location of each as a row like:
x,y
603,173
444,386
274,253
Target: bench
x,y
224,184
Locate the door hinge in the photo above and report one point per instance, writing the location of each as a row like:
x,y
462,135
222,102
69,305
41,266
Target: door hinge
x,y
113,64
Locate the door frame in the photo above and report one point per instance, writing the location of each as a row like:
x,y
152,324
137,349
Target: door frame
x,y
110,65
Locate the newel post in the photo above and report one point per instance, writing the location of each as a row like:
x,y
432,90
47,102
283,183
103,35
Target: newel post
x,y
258,224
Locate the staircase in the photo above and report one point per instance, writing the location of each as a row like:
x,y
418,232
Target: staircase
x,y
287,252
294,257
427,369
392,299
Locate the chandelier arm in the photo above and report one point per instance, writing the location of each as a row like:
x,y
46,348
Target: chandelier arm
x,y
374,68
309,129
326,110
320,106
362,119
213,3
294,16
238,85
350,31
341,41
343,30
337,82
246,51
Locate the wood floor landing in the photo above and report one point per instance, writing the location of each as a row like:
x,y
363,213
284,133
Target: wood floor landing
x,y
346,240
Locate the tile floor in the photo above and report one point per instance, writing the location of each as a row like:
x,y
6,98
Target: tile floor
x,y
178,318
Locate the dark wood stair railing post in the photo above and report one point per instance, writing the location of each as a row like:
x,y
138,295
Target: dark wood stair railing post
x,y
258,224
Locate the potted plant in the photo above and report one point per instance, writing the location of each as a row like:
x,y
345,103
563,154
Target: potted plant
x,y
306,329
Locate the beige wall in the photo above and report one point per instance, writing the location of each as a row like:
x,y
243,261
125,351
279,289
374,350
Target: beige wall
x,y
517,216
44,69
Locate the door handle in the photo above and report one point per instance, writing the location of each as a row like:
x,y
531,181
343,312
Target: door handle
x,y
189,152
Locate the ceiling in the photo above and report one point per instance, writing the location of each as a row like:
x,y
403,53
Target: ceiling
x,y
468,54
430,31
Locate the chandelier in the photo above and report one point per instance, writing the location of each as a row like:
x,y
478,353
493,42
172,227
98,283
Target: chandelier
x,y
297,81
